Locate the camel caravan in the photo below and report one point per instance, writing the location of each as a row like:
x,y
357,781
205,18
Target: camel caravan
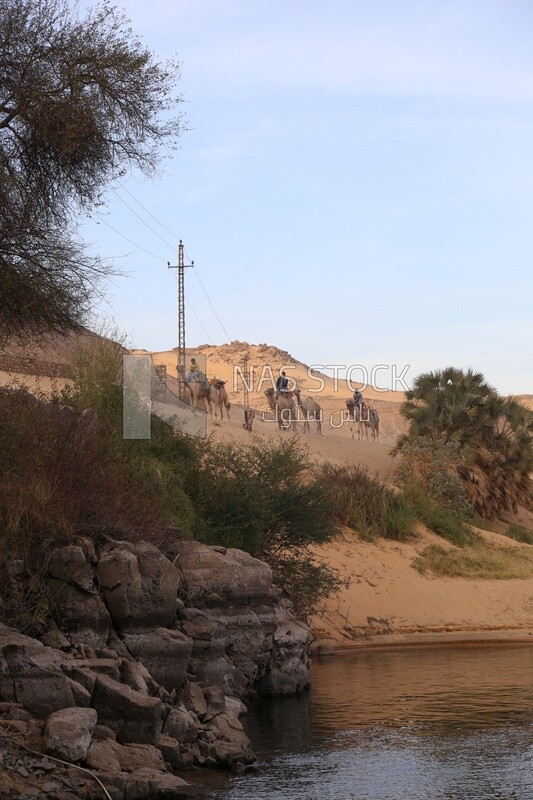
x,y
287,404
290,408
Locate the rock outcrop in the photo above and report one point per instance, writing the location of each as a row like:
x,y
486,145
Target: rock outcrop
x,y
150,669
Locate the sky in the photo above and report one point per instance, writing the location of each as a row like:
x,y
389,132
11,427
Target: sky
x,y
355,185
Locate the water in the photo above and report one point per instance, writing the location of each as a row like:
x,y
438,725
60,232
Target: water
x,y
418,724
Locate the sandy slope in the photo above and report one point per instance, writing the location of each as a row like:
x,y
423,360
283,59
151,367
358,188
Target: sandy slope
x,y
387,601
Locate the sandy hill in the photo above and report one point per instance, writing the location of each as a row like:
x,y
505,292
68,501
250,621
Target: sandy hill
x,y
264,363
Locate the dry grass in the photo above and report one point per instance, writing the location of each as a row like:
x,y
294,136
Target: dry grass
x,y
519,534
479,561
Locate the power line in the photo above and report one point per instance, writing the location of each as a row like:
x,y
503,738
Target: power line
x,y
141,219
191,307
200,281
198,277
149,213
139,247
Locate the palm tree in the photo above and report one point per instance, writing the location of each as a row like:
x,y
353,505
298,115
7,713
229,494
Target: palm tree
x,y
492,435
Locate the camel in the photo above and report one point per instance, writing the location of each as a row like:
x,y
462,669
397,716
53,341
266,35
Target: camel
x,y
312,411
249,416
199,396
283,406
219,399
373,423
357,415
366,418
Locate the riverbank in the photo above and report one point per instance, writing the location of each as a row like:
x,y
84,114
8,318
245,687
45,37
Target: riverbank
x,y
386,602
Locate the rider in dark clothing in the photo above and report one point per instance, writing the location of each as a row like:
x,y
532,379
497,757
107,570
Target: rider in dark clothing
x,y
281,384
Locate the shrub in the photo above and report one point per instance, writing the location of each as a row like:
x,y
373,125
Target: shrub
x,y
265,498
433,467
442,521
95,376
519,533
262,497
305,578
61,475
362,502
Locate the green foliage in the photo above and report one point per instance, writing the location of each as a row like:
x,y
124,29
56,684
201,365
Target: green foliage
x,y
305,578
262,497
519,533
492,435
362,502
433,467
442,521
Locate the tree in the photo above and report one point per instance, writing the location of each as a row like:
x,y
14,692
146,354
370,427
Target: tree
x,y
82,102
491,434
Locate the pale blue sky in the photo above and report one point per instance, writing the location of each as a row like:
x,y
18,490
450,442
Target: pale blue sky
x,y
356,185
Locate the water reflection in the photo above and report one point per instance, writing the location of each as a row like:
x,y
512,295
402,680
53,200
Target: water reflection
x,y
433,724
453,686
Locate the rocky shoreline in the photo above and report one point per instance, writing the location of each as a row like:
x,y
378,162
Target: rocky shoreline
x,y
146,673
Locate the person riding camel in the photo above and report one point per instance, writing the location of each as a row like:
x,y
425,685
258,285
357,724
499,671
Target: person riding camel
x,y
196,374
282,384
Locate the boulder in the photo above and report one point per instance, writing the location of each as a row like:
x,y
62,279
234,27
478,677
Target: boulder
x,y
170,750
132,757
71,582
148,783
194,699
221,672
181,725
235,707
215,701
81,696
139,585
166,654
38,681
67,733
68,565
226,754
133,716
135,675
228,728
83,614
101,757
215,576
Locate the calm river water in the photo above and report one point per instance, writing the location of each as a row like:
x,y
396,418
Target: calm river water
x,y
419,724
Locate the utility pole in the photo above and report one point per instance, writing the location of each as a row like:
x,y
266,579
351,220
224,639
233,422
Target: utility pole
x,y
181,267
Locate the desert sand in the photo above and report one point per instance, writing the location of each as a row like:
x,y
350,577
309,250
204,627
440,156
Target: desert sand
x,y
386,602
